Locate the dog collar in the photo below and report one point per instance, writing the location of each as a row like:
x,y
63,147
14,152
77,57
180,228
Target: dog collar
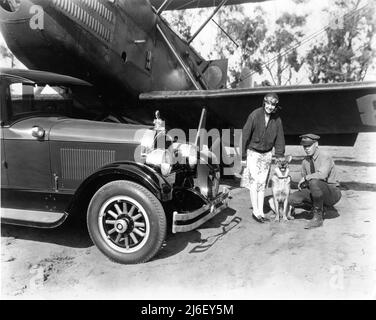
x,y
283,177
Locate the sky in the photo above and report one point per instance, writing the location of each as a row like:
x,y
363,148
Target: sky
x,y
315,22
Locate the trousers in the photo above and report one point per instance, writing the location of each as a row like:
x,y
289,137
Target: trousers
x,y
319,194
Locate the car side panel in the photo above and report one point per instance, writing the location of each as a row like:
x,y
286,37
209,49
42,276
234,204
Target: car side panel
x,y
3,88
35,200
73,162
27,157
4,176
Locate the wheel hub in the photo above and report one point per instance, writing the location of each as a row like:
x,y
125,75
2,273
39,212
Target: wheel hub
x,y
121,226
124,224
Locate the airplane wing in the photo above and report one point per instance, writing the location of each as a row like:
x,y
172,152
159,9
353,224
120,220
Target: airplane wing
x,y
188,4
337,112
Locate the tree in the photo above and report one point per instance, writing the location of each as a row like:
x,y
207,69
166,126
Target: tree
x,y
280,48
347,52
185,22
246,33
231,19
250,43
178,20
259,48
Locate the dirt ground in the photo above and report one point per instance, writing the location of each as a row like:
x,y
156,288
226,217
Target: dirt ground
x,y
230,257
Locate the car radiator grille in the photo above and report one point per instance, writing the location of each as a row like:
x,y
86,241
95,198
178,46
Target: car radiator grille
x,y
77,164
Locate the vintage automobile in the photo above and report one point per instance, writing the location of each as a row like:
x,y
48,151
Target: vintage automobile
x,y
60,156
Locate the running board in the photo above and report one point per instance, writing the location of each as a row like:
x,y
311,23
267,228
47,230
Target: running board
x,y
38,219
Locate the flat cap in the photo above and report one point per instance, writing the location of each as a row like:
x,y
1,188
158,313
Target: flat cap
x,y
308,139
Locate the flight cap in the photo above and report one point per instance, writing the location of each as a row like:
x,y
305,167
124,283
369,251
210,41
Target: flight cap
x,y
308,139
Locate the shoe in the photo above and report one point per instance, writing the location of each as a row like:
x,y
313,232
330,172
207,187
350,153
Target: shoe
x,y
257,218
317,220
291,215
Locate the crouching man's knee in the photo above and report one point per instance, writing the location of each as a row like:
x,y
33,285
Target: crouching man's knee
x,y
314,183
315,186
294,200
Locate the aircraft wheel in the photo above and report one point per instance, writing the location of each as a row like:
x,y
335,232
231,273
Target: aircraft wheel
x,y
126,222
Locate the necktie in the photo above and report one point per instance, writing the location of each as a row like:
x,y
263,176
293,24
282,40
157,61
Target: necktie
x,y
311,165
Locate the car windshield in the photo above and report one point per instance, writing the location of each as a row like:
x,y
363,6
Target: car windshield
x,y
25,99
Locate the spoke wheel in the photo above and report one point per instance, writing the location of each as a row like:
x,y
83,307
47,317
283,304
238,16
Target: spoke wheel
x,y
126,222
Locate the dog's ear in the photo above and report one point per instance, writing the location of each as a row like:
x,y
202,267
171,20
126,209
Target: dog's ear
x,y
289,158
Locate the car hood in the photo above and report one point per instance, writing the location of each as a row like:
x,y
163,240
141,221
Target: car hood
x,y
94,131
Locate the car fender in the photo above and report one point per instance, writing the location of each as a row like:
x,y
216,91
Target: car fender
x,y
127,170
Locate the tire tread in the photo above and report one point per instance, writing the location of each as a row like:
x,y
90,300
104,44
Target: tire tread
x,y
159,211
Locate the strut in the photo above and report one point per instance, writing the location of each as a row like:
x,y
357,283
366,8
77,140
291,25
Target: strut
x,y
207,21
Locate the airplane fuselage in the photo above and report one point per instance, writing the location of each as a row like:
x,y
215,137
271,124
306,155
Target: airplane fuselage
x,y
131,55
120,46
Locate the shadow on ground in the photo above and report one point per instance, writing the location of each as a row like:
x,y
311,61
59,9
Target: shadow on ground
x,y
342,161
176,243
71,233
358,186
330,213
305,212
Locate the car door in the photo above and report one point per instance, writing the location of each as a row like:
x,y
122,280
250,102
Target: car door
x,y
4,176
27,156
3,172
25,150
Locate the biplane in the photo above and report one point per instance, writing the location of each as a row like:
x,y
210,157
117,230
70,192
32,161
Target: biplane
x,y
138,64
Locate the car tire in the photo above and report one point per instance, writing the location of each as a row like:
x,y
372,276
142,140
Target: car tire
x,y
126,222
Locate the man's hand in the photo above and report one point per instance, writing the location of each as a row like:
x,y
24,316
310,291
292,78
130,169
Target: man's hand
x,y
302,181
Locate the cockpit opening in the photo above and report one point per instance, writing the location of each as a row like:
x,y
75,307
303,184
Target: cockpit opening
x,y
10,5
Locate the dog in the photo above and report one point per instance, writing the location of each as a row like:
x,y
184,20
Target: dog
x,y
281,181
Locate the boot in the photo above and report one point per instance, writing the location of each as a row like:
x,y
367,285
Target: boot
x,y
317,220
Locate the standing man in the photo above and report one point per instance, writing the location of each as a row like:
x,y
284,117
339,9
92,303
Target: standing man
x,y
262,132
319,185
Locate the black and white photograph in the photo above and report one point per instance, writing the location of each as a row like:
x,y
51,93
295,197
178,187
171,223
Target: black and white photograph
x,y
188,150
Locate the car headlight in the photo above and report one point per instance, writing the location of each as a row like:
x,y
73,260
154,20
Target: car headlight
x,y
151,140
147,142
189,152
162,159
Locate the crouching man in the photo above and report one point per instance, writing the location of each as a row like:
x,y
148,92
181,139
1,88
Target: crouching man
x,y
319,185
